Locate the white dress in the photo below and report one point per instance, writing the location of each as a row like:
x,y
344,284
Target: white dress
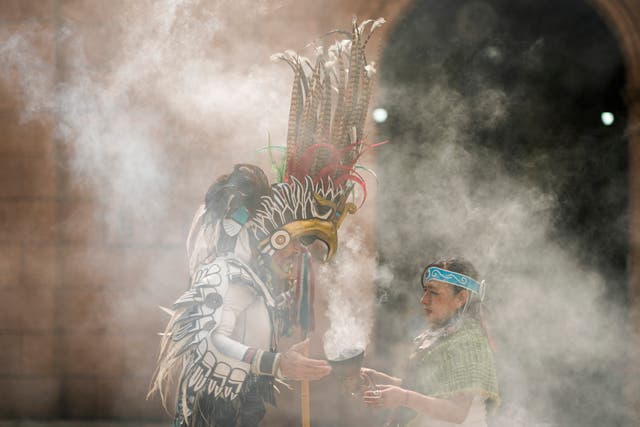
x,y
477,417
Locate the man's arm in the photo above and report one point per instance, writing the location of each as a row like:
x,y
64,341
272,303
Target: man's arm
x,y
291,364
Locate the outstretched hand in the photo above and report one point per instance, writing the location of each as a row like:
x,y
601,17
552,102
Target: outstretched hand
x,y
385,396
296,366
373,377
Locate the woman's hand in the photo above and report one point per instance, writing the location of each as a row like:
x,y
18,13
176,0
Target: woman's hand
x,y
386,396
374,377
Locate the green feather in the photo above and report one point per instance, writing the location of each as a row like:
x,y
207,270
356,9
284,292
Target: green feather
x,y
278,168
364,168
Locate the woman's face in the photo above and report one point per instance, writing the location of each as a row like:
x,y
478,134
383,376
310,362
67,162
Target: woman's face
x,y
440,303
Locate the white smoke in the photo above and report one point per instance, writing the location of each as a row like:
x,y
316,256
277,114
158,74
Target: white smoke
x,y
347,288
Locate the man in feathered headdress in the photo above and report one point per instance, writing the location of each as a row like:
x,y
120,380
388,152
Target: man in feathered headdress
x,y
250,264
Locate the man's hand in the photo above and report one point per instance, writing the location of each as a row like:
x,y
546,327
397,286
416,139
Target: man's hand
x,y
296,366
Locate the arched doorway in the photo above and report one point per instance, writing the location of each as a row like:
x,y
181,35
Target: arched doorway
x,y
503,150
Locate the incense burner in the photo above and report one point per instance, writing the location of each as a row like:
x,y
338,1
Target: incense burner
x,y
346,368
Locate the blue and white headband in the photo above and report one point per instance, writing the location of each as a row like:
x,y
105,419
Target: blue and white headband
x,y
455,279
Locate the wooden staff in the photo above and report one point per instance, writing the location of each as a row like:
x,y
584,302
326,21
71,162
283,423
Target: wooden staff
x,y
305,399
305,315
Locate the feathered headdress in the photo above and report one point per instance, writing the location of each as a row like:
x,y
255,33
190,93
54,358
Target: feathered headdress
x,y
325,139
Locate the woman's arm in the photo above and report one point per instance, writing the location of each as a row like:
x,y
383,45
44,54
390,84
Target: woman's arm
x,y
377,377
453,410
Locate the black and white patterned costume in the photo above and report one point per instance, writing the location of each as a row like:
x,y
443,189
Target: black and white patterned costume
x,y
221,340
220,330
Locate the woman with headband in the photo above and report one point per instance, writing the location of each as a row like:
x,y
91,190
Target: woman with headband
x,y
450,377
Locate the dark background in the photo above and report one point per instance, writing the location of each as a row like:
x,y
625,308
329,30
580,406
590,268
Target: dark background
x,y
560,67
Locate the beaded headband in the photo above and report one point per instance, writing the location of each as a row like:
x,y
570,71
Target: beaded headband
x,y
453,278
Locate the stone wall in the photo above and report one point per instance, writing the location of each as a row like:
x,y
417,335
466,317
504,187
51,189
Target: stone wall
x,y
81,274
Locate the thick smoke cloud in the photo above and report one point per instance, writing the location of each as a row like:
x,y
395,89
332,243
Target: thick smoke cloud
x,y
164,82
549,312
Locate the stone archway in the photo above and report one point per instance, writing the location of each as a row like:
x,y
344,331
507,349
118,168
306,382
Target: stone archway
x,y
623,17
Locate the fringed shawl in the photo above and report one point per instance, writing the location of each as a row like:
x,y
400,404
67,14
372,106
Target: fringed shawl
x,y
461,362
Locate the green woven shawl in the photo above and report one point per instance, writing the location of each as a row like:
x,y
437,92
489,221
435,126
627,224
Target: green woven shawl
x,y
461,362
